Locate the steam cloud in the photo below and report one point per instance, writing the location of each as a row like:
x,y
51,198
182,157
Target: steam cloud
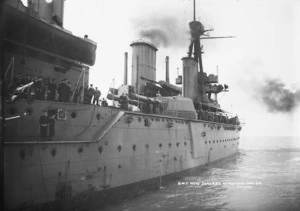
x,y
277,97
163,31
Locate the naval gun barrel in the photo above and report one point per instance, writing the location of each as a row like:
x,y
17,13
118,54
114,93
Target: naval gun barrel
x,y
164,84
21,88
133,98
117,98
141,98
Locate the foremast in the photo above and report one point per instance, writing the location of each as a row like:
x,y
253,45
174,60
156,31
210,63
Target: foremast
x,y
204,83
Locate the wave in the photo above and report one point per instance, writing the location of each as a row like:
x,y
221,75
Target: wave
x,y
271,149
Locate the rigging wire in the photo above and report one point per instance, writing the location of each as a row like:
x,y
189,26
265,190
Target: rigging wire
x,y
221,96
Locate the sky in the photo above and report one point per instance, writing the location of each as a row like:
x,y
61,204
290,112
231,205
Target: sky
x,y
260,64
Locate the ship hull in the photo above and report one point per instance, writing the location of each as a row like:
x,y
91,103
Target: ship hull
x,y
104,153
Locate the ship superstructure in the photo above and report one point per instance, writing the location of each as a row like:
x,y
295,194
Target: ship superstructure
x,y
59,148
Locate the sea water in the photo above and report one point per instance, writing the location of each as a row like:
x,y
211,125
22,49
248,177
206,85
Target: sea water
x,y
263,175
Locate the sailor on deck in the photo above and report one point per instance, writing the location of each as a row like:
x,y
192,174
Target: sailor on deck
x,y
124,101
104,103
91,93
51,127
97,95
52,87
148,106
44,121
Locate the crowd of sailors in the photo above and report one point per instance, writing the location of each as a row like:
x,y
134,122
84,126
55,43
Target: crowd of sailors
x,y
48,89
155,107
39,88
216,117
148,107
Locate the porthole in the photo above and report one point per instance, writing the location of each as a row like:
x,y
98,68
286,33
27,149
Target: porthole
x,y
80,150
170,145
100,149
205,142
209,142
73,115
119,148
184,143
28,112
177,144
98,116
147,146
160,145
53,152
134,147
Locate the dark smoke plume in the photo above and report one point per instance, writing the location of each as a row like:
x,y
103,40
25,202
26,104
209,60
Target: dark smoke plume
x,y
277,97
163,31
157,36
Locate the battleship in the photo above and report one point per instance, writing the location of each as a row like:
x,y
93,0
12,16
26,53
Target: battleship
x,y
59,148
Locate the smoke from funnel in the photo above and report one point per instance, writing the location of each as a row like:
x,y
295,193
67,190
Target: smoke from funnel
x,y
277,97
156,36
163,31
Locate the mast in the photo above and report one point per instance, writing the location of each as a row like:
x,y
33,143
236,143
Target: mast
x,y
194,10
195,49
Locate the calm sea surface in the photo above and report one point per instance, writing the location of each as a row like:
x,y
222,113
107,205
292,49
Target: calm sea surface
x,y
264,175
